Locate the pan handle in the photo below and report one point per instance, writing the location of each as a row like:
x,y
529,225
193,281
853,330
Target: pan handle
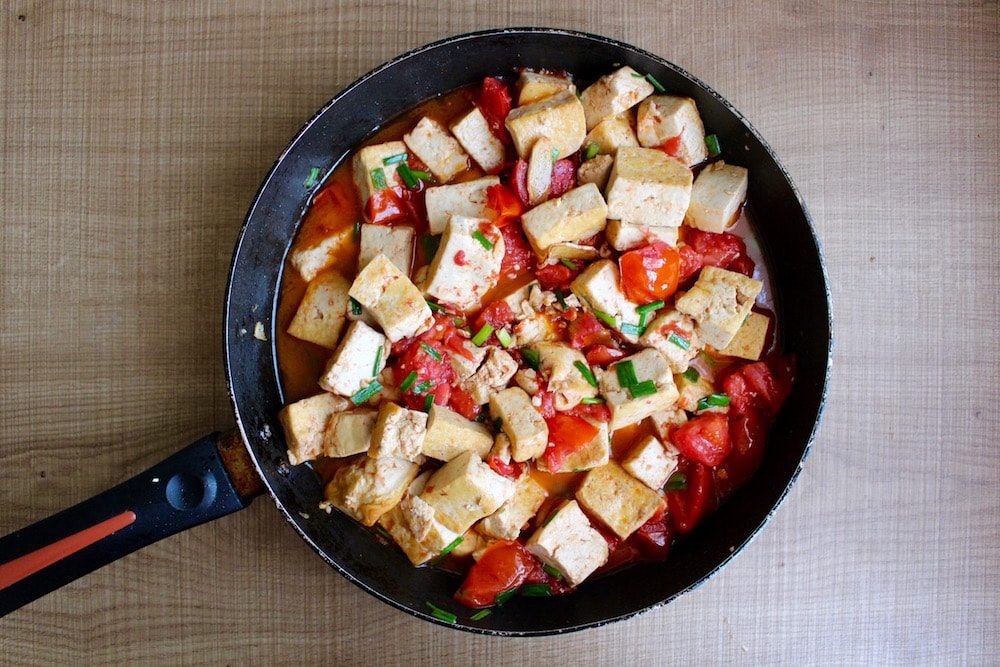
x,y
206,480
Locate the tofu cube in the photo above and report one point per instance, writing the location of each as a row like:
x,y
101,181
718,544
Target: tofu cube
x,y
464,269
371,174
368,488
596,170
576,215
349,433
508,521
535,86
450,434
627,236
617,499
629,409
467,199
574,251
434,145
391,298
473,131
651,461
398,432
305,422
539,177
465,490
352,366
612,133
716,197
465,365
496,371
569,543
559,117
648,187
666,421
661,118
673,334
599,287
750,339
396,243
614,93
558,363
691,391
594,454
719,302
413,525
521,422
322,312
311,260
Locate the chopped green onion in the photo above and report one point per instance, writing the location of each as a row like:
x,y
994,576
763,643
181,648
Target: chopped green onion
x,y
482,335
713,401
677,482
408,382
430,350
593,148
649,307
383,532
640,389
441,614
356,235
504,337
551,570
707,358
549,518
366,393
423,386
483,241
506,595
451,547
355,307
378,178
691,374
555,154
568,263
592,400
313,177
679,341
626,373
531,356
712,144
604,317
422,175
536,590
430,246
393,159
428,402
436,307
406,174
378,361
656,84
498,424
636,75
480,615
585,371
632,330
561,299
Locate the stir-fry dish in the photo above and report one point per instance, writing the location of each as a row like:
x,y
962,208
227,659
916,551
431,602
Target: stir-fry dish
x,y
525,332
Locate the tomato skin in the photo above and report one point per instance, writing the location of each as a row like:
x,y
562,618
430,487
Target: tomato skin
x,y
650,273
568,434
757,388
494,102
602,355
518,256
504,202
385,206
704,439
725,250
689,506
557,276
597,411
563,178
510,470
519,181
504,565
654,537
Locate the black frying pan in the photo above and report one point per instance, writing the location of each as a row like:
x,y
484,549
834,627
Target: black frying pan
x,y
218,474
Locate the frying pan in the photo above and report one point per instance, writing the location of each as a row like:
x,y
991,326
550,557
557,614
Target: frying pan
x,y
221,473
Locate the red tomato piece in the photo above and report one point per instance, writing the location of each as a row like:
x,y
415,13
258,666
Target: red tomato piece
x,y
725,250
463,403
655,536
495,102
497,314
568,434
689,506
755,387
671,146
503,566
650,273
602,355
596,411
704,439
512,470
691,261
563,178
587,330
385,206
518,256
504,202
519,181
748,434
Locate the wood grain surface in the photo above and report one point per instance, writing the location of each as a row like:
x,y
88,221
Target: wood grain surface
x,y
134,136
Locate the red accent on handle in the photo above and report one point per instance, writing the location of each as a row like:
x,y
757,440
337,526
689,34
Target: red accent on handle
x,y
29,564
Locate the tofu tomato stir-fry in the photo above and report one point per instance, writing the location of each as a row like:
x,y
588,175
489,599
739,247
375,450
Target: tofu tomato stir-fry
x,y
522,334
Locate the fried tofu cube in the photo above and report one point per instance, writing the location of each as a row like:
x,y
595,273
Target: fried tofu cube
x,y
322,312
596,170
508,521
716,197
627,236
413,525
467,199
560,365
371,173
368,488
464,269
576,215
391,298
749,341
435,146
465,490
535,86
690,391
305,422
648,187
396,243
539,177
651,462
465,365
614,93
612,133
311,260
398,432
473,131
450,434
661,118
521,422
599,287
349,433
559,117
626,407
496,371
353,365
719,302
594,454
569,543
673,334
572,251
617,499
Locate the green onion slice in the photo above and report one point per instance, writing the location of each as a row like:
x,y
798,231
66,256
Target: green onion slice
x,y
355,307
604,317
713,401
531,356
430,246
626,373
536,590
422,175
551,570
506,595
428,402
593,148
504,337
378,178
441,614
356,235
423,386
482,335
691,374
483,241
393,159
561,299
592,400
644,388
568,263
707,358
712,144
313,177
480,615
585,371
430,350
436,307
656,84
549,518
677,482
383,532
408,382
366,393
378,361
632,329
679,341
409,179
451,547
650,307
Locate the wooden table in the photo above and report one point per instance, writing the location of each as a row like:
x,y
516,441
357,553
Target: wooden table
x,y
134,136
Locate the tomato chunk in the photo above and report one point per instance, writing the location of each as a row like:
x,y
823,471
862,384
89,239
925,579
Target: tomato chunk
x,y
725,250
504,566
650,273
704,439
756,387
563,178
494,102
385,206
568,434
504,202
689,506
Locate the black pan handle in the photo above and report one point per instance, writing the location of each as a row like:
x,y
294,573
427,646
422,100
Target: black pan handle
x,y
206,480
